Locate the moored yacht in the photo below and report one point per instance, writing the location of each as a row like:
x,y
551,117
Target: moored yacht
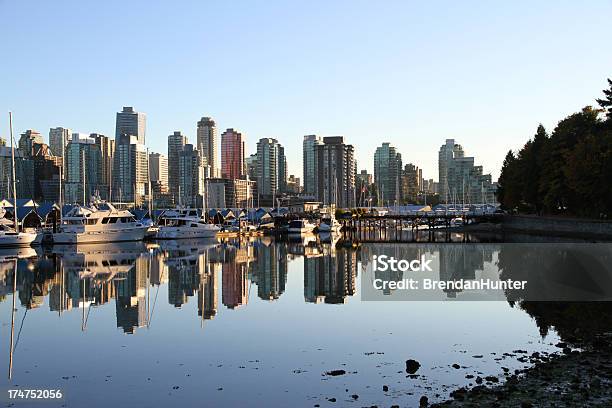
x,y
182,223
101,222
301,226
9,238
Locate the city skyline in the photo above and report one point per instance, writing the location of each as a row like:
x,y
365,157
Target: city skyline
x,y
414,97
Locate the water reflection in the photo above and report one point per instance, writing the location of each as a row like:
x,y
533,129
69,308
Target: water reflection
x,y
91,276
169,285
130,274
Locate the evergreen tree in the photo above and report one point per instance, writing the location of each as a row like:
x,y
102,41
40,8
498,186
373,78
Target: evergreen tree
x,y
606,102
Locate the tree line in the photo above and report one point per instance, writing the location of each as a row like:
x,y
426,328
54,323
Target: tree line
x,y
568,171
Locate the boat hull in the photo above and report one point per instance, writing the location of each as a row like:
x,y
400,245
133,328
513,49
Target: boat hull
x,y
185,233
300,230
23,239
329,228
132,234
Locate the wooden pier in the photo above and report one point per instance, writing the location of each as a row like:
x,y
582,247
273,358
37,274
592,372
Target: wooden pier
x,y
405,227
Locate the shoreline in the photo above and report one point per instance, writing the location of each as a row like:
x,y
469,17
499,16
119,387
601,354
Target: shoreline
x,y
580,375
576,378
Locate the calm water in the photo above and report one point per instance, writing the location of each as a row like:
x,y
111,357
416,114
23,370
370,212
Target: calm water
x,y
239,324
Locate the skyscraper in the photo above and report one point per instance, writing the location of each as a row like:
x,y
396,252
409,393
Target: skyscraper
x,y
462,182
387,174
83,167
411,184
448,151
282,169
271,167
192,176
232,154
106,145
251,165
335,175
27,141
24,172
58,140
207,144
176,143
309,163
132,123
230,193
130,170
158,165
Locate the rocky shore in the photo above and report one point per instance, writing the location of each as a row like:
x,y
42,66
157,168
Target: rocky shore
x,y
579,376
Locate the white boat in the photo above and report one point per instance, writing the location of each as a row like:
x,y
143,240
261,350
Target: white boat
x,y
329,224
457,222
13,239
98,223
184,223
301,226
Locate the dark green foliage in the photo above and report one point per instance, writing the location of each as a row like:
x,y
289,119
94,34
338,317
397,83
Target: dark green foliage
x,y
606,102
568,172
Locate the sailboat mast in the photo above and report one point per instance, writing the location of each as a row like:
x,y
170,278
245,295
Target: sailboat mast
x,y
84,192
150,192
13,172
61,201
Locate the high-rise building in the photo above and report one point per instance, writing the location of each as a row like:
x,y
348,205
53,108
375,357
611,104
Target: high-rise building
x,y
364,177
47,170
271,167
309,163
387,174
232,154
176,143
83,167
363,183
207,144
132,123
158,170
448,151
24,172
282,169
335,175
461,182
411,183
130,170
107,154
293,185
192,176
230,193
251,165
27,141
58,140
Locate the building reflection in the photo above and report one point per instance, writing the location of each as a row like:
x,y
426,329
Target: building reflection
x,y
269,270
235,269
330,275
458,262
91,276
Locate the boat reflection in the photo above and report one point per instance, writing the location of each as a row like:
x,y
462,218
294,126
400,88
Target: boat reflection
x,y
232,272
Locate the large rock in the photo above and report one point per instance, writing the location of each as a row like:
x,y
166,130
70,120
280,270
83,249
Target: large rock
x,y
412,366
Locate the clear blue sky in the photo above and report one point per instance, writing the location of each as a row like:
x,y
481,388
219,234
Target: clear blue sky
x,y
409,73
